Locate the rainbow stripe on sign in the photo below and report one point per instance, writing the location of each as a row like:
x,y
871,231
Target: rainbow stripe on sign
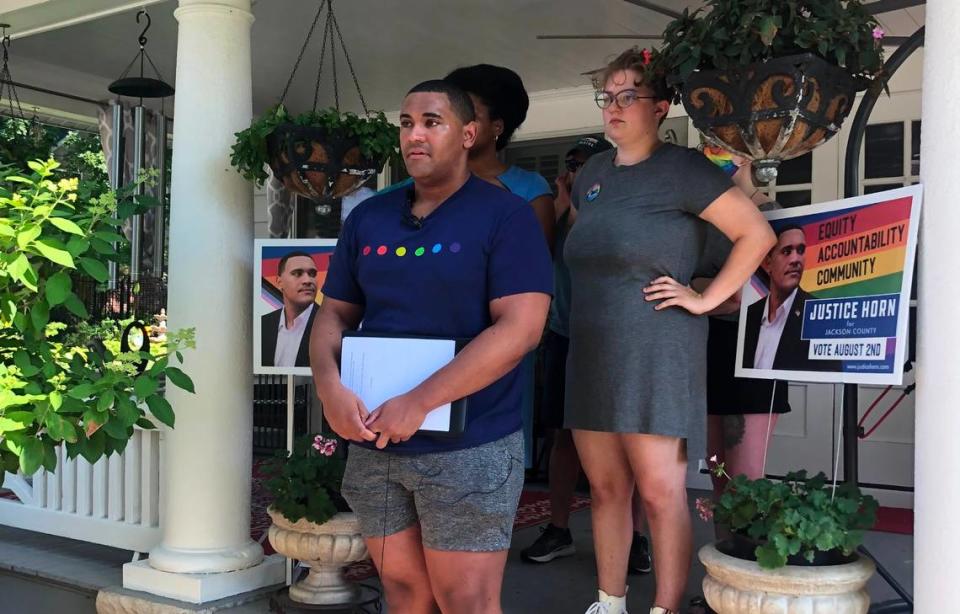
x,y
858,251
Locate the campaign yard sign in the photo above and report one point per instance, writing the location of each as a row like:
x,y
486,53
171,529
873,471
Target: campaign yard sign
x,y
831,301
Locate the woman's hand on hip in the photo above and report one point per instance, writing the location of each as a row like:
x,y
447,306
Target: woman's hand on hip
x,y
671,293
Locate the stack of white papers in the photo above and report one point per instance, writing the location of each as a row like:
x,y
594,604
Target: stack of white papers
x,y
377,369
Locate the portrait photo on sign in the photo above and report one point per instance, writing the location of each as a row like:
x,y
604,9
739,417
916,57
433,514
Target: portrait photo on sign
x,y
288,276
831,300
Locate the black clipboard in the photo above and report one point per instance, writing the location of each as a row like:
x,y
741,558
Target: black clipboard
x,y
458,408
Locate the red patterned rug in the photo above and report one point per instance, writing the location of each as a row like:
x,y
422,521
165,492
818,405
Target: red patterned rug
x,y
894,520
534,509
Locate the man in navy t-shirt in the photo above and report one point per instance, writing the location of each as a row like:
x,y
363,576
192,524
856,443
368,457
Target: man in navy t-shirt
x,y
453,257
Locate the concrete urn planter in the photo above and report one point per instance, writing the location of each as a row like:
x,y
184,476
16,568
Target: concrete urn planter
x,y
738,586
327,548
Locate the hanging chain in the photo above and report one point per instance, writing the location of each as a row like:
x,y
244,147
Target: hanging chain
x,y
6,79
331,29
302,50
333,61
323,53
356,82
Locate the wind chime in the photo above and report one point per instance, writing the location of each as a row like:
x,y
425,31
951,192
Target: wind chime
x,y
141,86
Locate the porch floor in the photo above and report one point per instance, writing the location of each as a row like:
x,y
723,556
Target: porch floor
x,y
42,573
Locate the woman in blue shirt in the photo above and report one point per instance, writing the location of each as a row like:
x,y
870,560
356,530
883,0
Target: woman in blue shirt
x,y
501,104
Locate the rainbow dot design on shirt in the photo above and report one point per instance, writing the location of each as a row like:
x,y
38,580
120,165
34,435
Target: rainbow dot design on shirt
x,y
402,250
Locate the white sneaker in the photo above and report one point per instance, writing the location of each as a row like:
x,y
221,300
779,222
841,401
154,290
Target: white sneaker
x,y
608,604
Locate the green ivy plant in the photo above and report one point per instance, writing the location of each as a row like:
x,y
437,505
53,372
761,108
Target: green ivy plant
x,y
60,381
377,137
797,515
739,32
306,483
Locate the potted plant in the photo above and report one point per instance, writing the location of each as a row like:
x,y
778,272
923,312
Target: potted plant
x,y
64,380
771,80
318,154
311,521
792,546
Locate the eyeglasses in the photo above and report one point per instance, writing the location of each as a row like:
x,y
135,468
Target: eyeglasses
x,y
573,165
623,98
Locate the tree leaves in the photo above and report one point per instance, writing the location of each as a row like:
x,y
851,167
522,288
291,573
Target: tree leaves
x,y
31,455
58,386
179,379
66,225
27,236
54,253
59,428
40,315
81,391
161,409
76,307
21,271
92,447
94,268
127,412
144,386
105,402
57,288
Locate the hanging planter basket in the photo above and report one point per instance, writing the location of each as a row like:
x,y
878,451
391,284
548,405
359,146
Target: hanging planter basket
x,y
322,154
770,111
318,163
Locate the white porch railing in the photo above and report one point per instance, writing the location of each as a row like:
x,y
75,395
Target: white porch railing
x,y
114,502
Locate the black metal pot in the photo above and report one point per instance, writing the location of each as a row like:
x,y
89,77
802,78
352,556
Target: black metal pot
x,y
770,111
317,163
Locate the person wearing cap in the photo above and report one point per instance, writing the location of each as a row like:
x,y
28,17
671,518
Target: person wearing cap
x,y
556,541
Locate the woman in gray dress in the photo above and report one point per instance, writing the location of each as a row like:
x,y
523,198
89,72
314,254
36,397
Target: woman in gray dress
x,y
636,369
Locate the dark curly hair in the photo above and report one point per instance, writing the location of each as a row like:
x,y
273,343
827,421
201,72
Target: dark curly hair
x,y
638,60
500,89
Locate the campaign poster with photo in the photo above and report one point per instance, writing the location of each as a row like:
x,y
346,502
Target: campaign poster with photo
x,y
288,275
831,301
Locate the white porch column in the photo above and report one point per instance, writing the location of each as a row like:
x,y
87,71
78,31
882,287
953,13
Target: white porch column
x,y
937,498
207,472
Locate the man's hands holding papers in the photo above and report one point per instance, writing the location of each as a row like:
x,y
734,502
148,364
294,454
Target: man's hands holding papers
x,y
345,413
396,420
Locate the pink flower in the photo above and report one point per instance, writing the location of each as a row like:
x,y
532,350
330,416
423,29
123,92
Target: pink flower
x,y
325,446
647,56
878,33
713,458
705,508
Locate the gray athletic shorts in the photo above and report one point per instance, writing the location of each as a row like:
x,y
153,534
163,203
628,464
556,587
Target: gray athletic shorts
x,y
464,500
